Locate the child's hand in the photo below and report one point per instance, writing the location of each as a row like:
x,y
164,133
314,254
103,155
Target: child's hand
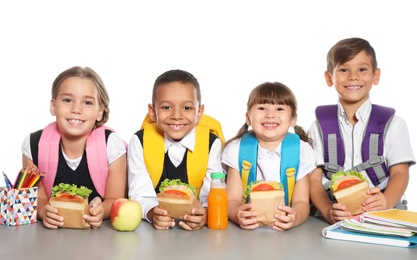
x,y
247,218
376,202
160,219
284,222
196,220
338,213
51,218
96,213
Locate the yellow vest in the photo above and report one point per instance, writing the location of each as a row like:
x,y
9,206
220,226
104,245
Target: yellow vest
x,y
197,160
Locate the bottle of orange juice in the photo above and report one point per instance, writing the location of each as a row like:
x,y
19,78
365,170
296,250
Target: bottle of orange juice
x,y
217,217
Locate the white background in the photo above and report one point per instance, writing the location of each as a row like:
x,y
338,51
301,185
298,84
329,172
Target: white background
x,y
230,46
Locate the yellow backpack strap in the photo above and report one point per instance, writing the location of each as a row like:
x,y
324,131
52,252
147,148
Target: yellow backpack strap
x,y
197,160
213,125
154,151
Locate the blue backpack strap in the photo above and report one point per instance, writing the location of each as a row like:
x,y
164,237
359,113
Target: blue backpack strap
x,y
290,161
248,155
333,148
373,143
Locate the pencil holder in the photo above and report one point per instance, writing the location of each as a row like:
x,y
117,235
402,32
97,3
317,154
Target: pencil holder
x,y
18,206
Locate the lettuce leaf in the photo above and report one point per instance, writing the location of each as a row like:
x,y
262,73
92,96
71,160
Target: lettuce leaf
x,y
167,182
72,189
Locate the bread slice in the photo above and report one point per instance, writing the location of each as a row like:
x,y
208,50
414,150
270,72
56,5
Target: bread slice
x,y
266,204
72,210
177,205
353,196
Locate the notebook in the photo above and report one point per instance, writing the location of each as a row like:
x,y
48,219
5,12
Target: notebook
x,y
336,231
401,217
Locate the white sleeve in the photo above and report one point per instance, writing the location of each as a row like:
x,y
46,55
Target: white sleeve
x,y
214,165
230,156
307,160
397,145
26,148
140,182
315,134
115,147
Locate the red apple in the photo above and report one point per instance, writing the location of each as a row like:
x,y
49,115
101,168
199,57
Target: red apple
x,y
125,214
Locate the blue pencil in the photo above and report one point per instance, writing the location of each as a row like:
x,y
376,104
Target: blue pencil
x,y
9,184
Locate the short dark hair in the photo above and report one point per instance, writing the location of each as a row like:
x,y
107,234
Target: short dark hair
x,y
176,76
347,49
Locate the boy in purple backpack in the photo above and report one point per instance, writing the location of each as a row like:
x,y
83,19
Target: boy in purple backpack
x,y
77,148
357,135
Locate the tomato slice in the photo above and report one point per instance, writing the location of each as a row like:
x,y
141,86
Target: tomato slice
x,y
262,187
175,192
347,183
68,196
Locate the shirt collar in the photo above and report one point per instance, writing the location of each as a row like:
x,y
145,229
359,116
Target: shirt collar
x,y
262,152
188,141
362,114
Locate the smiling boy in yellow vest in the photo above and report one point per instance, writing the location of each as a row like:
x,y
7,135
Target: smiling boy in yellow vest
x,y
176,141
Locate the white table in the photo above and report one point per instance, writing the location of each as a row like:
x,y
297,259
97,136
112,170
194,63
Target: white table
x,y
302,242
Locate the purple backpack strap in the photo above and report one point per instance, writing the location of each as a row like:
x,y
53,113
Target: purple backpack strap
x,y
333,148
373,144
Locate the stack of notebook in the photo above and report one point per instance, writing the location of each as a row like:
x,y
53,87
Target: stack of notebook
x,y
393,227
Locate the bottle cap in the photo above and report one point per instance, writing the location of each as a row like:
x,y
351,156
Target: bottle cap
x,y
218,175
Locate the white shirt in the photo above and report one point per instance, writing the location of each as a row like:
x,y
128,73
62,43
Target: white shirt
x,y
140,183
268,164
397,146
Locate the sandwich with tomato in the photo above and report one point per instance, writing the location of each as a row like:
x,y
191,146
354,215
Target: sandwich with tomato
x,y
177,197
72,203
265,197
349,188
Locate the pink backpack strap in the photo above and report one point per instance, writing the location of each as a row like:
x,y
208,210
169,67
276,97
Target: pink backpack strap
x,y
48,155
98,165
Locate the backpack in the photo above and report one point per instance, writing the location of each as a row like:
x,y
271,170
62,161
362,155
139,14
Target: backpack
x,y
290,161
372,143
153,149
96,149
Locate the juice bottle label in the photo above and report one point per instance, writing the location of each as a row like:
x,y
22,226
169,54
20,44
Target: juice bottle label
x,y
217,217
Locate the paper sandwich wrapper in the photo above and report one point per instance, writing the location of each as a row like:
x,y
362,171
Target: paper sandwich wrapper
x,y
352,197
177,208
266,204
72,212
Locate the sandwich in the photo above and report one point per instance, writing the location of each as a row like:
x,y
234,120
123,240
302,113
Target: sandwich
x,y
349,188
177,197
72,204
265,197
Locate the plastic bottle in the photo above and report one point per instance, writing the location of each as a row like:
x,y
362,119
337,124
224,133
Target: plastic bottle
x,y
217,217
